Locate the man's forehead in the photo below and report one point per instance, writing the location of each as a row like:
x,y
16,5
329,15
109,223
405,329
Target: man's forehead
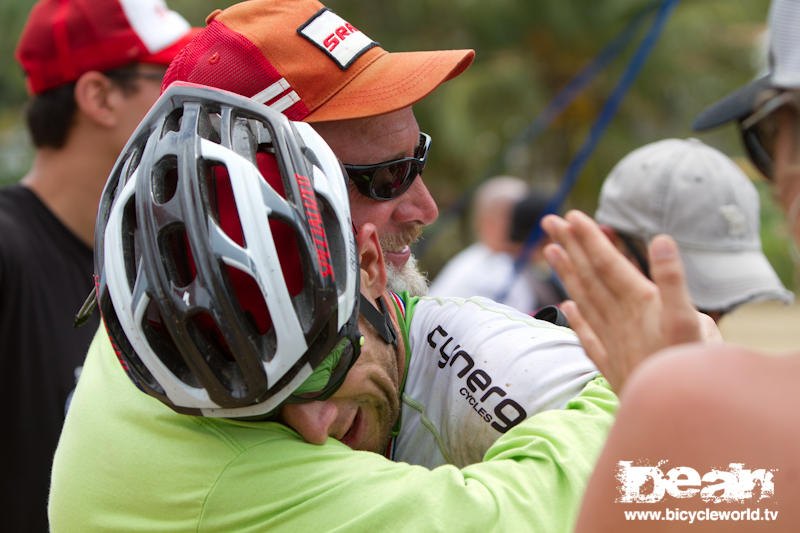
x,y
377,125
395,132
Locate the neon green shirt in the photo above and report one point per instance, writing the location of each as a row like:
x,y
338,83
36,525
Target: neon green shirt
x,y
126,462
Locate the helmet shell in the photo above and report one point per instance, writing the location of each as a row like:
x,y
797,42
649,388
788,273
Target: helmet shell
x,y
225,259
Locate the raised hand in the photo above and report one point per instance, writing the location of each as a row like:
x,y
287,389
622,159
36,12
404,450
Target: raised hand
x,y
620,316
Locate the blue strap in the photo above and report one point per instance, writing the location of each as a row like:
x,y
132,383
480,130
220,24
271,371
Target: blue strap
x,y
543,120
581,80
599,126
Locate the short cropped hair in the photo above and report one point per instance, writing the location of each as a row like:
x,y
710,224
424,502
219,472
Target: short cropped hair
x,y
49,115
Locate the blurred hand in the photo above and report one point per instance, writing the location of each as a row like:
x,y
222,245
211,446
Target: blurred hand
x,y
620,316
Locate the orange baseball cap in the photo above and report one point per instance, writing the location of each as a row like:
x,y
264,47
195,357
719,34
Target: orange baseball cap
x,y
301,58
63,40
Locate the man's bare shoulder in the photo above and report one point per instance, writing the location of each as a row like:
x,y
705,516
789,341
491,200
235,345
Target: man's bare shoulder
x,y
708,406
705,407
699,382
716,376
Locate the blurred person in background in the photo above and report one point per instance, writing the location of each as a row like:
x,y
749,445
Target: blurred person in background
x,y
93,69
706,407
703,200
504,213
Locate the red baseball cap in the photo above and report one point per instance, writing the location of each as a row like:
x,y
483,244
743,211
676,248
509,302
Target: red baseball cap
x,y
301,58
63,39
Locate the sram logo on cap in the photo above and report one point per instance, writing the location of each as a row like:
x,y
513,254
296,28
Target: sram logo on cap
x,y
336,37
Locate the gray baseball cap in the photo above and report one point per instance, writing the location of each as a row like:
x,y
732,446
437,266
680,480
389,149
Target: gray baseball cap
x,y
696,194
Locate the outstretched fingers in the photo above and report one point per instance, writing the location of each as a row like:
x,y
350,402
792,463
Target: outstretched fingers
x,y
604,262
570,261
620,316
593,346
680,320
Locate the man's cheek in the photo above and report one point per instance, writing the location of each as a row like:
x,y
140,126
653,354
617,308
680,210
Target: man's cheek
x,y
363,209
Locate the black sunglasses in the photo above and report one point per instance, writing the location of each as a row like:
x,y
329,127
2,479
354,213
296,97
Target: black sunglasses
x,y
759,130
349,348
390,179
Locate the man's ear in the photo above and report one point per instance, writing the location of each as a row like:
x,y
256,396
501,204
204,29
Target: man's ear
x,y
373,269
96,97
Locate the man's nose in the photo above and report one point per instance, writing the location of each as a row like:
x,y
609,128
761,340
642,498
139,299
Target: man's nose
x,y
312,420
417,205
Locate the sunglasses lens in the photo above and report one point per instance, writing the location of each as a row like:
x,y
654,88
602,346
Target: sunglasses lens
x,y
349,354
388,180
759,154
362,180
392,181
765,131
760,130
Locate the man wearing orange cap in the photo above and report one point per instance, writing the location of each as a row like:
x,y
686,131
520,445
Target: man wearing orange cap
x,y
304,60
93,69
300,58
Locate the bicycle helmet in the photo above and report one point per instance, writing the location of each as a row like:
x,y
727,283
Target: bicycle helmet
x,y
226,265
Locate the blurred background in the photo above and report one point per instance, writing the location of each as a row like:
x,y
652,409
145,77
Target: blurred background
x,y
527,51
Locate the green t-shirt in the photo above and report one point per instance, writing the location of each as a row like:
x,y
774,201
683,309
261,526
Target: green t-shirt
x,y
126,462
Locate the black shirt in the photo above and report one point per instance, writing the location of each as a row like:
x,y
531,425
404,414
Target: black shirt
x,y
45,275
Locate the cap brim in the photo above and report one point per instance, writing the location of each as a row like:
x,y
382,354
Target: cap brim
x,y
391,82
722,280
735,106
165,56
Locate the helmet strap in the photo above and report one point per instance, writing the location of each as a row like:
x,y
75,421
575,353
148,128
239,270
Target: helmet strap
x,y
379,319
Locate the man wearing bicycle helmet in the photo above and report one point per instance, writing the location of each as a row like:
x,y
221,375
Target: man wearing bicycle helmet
x,y
235,310
304,60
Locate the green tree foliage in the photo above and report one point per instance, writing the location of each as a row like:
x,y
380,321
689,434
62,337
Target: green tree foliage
x,y
527,50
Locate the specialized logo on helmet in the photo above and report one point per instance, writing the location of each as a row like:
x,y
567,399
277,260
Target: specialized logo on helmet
x,y
336,37
315,223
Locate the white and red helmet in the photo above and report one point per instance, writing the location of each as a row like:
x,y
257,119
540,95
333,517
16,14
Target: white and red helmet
x,y
227,271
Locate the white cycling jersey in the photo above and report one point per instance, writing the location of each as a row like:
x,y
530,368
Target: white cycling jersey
x,y
475,369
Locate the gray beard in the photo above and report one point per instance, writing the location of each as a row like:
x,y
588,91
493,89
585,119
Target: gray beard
x,y
408,278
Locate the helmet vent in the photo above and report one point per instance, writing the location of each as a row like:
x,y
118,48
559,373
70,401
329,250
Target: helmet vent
x,y
172,122
176,255
165,179
217,356
132,364
251,302
223,204
159,339
131,251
